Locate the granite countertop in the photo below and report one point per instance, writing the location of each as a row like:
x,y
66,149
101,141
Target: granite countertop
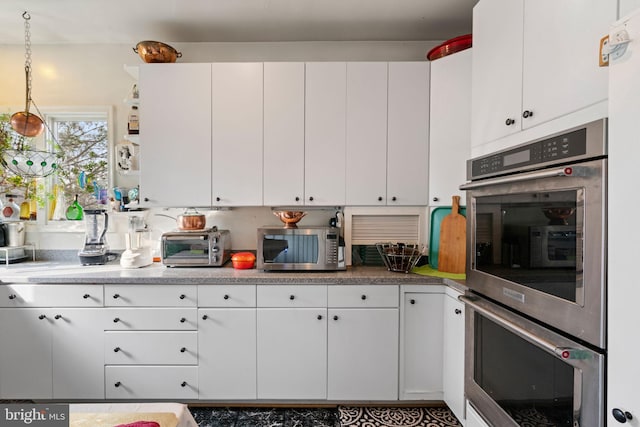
x,y
113,273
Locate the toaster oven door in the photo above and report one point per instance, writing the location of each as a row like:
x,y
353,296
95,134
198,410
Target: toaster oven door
x,y
186,250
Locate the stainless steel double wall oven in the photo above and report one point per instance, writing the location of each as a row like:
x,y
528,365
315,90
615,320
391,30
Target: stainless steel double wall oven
x,y
536,268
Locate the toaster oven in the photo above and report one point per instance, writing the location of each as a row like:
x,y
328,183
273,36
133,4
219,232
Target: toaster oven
x,y
200,248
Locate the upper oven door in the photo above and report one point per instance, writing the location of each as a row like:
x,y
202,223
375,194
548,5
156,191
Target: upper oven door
x,y
536,243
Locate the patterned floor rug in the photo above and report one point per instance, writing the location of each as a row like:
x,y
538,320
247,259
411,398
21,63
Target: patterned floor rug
x,y
395,417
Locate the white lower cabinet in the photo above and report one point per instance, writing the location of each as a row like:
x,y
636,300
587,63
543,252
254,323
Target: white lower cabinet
x,y
421,341
453,353
227,353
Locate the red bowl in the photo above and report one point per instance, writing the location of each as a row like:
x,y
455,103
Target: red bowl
x,y
453,45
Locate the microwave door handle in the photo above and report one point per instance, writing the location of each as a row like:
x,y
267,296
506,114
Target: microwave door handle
x,y
566,171
523,333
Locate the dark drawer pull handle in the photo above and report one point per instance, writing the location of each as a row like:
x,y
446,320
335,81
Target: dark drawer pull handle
x,y
205,317
527,113
412,301
85,296
292,297
311,199
363,297
394,198
509,122
182,320
183,384
183,349
13,296
117,349
319,316
297,199
379,198
57,316
621,416
226,297
117,384
458,311
182,296
42,317
116,320
335,317
116,296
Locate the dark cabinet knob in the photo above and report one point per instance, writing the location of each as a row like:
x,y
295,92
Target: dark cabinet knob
x,y
117,349
116,296
412,301
183,349
311,198
42,317
217,199
117,384
85,296
379,198
146,199
319,316
116,320
226,297
335,317
509,122
205,317
297,199
621,416
57,316
292,297
13,296
527,113
182,320
458,311
363,297
394,198
183,384
182,296
435,199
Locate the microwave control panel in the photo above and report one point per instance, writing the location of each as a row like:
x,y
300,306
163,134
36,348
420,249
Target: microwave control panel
x,y
332,248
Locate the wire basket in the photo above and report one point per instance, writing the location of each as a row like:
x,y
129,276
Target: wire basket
x,y
400,257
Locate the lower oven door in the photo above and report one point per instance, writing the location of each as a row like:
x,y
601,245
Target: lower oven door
x,y
518,373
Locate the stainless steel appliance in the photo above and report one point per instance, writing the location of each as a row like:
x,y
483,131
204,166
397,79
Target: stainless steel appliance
x,y
537,270
518,255
95,250
198,248
302,248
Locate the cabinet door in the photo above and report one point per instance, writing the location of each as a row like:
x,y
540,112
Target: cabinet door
x,y
227,353
237,134
421,346
366,133
497,69
283,133
352,334
292,353
78,355
561,73
25,354
175,134
453,360
408,133
325,123
450,126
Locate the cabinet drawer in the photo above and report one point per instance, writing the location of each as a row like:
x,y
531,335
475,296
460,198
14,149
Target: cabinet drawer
x,y
151,382
292,296
151,295
50,295
150,348
152,319
363,296
227,296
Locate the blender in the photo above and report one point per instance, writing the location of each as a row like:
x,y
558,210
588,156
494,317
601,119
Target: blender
x,y
136,254
95,250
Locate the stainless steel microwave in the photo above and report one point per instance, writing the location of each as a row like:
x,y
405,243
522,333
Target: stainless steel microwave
x,y
303,248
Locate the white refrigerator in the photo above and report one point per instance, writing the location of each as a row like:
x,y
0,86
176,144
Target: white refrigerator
x,y
623,358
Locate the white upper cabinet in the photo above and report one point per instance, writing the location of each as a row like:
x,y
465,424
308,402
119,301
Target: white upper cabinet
x,y
325,125
450,126
535,61
283,133
175,134
408,133
237,134
366,133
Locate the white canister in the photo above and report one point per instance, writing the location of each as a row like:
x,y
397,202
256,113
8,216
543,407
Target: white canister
x,y
15,233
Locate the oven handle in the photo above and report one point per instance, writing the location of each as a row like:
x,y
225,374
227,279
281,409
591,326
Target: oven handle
x,y
512,327
566,171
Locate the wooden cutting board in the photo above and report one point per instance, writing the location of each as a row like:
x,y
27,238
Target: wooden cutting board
x,y
453,237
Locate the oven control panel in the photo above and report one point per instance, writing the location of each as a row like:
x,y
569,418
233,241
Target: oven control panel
x,y
573,145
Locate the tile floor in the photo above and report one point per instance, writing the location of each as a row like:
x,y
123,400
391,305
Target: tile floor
x,y
341,416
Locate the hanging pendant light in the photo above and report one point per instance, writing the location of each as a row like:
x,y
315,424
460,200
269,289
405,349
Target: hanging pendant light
x,y
23,160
